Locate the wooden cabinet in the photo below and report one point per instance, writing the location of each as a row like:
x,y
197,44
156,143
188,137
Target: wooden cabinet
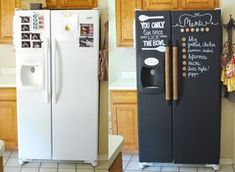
x,y
198,4
125,13
7,8
160,4
8,118
124,118
117,164
72,4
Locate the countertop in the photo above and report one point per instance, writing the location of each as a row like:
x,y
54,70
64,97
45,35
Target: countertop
x,y
116,143
7,77
123,85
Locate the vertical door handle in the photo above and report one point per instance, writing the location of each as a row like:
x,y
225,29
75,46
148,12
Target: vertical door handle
x,y
167,74
47,71
54,71
175,73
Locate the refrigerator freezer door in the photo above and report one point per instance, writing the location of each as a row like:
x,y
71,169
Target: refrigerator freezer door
x,y
154,112
75,79
196,113
32,66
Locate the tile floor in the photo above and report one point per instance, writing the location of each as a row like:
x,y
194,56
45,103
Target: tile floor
x,y
10,163
130,164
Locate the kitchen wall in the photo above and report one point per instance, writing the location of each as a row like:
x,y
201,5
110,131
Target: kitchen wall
x,y
103,124
123,59
7,58
228,108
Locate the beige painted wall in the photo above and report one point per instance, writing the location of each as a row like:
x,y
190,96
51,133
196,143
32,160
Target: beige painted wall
x,y
103,124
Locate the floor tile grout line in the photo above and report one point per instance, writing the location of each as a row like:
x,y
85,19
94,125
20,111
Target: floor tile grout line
x,y
39,168
129,161
8,157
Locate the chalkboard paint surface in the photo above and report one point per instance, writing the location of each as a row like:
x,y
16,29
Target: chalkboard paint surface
x,y
196,35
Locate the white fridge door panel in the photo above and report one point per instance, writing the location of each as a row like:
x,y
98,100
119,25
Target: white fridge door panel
x,y
34,126
33,99
76,88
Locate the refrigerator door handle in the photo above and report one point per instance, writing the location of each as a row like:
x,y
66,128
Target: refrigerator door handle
x,y
54,51
175,73
56,76
167,74
47,72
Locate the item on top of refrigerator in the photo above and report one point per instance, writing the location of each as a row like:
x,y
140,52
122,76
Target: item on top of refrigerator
x,y
25,27
25,35
25,44
25,19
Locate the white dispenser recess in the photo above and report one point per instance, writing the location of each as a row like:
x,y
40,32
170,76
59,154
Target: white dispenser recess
x,y
31,71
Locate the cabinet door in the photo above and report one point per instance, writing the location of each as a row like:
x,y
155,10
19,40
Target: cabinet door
x,y
8,124
80,4
51,3
198,4
125,124
125,14
7,9
160,4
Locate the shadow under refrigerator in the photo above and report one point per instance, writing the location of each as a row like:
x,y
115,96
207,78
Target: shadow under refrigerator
x,y
57,84
178,85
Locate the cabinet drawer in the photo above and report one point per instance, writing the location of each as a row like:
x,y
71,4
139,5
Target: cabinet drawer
x,y
7,94
126,96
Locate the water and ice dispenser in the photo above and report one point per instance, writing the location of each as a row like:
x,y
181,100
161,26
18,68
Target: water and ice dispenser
x,y
31,71
151,75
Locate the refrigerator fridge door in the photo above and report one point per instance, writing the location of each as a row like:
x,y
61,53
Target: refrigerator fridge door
x,y
75,43
33,84
196,113
153,34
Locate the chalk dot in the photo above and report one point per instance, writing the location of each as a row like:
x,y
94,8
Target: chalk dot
x,y
197,29
184,62
207,29
183,39
187,29
192,29
183,44
184,50
182,30
202,29
184,56
184,74
184,68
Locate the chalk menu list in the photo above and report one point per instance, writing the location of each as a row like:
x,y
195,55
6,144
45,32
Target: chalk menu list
x,y
196,48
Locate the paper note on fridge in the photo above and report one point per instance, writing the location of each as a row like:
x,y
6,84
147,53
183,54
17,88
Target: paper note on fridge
x,y
67,29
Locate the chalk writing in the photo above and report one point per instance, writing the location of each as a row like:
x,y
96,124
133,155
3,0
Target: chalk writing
x,y
198,52
153,36
195,20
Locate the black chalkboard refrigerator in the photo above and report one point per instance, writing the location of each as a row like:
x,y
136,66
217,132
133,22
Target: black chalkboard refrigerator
x,y
178,86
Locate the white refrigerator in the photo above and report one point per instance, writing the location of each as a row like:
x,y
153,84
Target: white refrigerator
x,y
57,84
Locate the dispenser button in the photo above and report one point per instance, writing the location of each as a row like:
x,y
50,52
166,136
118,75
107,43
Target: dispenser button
x,y
152,72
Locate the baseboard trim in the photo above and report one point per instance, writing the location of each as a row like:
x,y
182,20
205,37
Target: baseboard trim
x,y
226,162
